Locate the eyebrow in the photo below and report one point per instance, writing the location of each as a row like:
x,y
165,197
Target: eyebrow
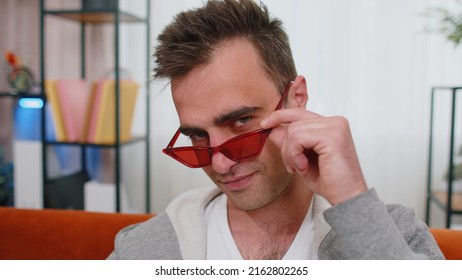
x,y
220,120
191,130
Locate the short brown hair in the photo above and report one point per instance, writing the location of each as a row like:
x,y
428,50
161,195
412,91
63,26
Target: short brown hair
x,y
190,40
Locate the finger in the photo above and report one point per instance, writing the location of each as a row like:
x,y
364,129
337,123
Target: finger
x,y
287,116
278,137
293,153
295,146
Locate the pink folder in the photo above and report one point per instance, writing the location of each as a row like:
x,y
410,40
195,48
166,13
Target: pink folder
x,y
73,97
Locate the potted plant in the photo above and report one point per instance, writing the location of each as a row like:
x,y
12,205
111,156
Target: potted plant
x,y
449,23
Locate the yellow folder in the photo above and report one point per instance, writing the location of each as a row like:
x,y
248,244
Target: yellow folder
x,y
53,99
105,132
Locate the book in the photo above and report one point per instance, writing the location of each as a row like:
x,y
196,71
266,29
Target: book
x,y
53,101
102,129
73,98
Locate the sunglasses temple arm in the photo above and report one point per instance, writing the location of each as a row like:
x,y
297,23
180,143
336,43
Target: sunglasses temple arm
x,y
172,142
284,96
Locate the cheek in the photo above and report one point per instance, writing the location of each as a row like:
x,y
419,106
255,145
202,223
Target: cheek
x,y
271,154
211,174
208,170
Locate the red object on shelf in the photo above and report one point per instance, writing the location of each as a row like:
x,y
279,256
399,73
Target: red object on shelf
x,y
11,59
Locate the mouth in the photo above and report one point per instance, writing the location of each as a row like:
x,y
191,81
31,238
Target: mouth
x,y
238,183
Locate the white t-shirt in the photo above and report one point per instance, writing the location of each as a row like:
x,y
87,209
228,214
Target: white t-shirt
x,y
221,245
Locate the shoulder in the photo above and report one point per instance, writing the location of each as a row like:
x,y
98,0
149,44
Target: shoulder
x,y
153,239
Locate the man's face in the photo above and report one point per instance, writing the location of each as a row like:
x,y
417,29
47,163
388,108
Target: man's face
x,y
228,97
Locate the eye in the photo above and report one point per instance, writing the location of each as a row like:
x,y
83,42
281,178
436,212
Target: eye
x,y
242,123
198,138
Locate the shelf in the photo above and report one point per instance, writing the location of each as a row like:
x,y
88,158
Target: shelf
x,y
5,94
442,197
134,140
95,17
20,95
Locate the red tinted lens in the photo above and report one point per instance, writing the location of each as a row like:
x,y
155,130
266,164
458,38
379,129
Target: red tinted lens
x,y
244,146
193,157
238,148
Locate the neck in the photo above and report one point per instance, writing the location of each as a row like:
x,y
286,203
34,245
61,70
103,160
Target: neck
x,y
267,233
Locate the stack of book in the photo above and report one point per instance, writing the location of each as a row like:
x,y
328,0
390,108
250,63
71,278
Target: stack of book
x,y
87,115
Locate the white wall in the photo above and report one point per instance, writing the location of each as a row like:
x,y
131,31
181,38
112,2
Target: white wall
x,y
368,60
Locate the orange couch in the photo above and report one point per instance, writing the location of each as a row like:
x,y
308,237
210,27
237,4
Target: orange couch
x,y
64,234
60,234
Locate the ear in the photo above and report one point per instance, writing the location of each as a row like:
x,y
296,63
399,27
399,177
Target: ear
x,y
298,95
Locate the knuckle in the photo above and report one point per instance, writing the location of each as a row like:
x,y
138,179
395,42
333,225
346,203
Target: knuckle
x,y
341,124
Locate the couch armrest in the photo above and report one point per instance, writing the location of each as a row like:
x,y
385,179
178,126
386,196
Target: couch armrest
x,y
449,241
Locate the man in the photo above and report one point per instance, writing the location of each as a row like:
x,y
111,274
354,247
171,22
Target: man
x,y
289,184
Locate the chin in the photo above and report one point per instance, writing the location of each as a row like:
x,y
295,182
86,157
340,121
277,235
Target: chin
x,y
248,200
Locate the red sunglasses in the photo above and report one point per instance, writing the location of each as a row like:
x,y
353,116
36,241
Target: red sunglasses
x,y
241,147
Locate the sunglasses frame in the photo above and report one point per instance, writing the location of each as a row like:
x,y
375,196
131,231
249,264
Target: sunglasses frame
x,y
170,150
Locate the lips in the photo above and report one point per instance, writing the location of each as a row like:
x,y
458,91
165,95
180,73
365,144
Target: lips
x,y
238,183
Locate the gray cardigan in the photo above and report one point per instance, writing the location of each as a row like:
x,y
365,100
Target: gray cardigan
x,y
361,228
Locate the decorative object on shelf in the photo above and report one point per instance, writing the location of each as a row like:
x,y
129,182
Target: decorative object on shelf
x,y
19,77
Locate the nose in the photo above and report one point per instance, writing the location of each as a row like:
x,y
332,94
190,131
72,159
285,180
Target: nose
x,y
220,163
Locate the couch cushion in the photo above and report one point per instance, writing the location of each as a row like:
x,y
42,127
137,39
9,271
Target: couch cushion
x,y
60,234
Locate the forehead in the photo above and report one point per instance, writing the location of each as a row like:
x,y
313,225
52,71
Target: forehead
x,y
234,78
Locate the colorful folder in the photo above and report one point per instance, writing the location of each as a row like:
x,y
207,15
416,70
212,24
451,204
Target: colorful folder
x,y
103,118
53,101
73,98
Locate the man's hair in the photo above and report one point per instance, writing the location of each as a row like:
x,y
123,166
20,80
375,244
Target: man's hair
x,y
191,39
